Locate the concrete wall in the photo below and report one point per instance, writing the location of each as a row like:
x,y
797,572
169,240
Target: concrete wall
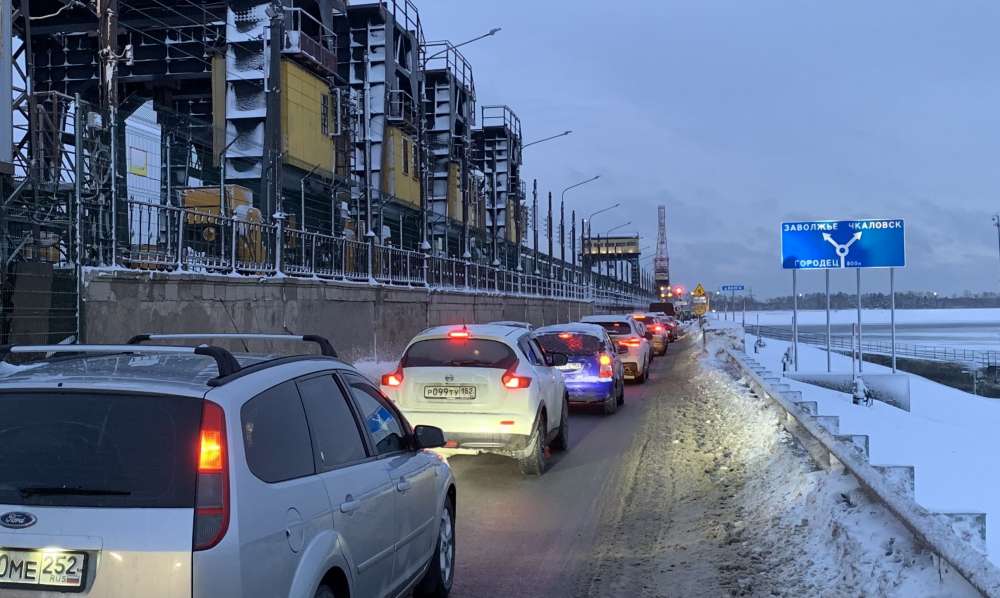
x,y
363,322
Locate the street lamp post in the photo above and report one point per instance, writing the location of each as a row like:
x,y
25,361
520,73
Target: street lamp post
x,y
996,223
424,245
585,236
563,134
562,201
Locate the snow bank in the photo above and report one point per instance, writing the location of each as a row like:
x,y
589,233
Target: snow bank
x,y
949,436
814,532
812,317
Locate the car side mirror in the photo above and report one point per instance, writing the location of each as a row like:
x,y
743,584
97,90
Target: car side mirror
x,y
622,349
554,360
427,437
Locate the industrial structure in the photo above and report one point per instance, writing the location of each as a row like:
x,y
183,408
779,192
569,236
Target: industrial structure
x,y
661,260
246,136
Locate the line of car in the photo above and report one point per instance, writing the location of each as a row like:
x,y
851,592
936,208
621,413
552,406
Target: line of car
x,y
170,471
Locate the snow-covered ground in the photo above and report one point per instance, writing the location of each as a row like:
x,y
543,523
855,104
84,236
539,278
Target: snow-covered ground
x,y
949,436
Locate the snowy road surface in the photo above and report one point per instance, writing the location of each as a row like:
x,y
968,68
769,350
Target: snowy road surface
x,y
691,490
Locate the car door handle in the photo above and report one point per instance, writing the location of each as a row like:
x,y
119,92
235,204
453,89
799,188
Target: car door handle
x,y
403,485
350,506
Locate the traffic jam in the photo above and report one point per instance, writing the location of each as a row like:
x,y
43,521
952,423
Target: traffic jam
x,y
226,461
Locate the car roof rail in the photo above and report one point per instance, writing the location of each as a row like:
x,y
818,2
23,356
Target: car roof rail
x,y
325,346
224,360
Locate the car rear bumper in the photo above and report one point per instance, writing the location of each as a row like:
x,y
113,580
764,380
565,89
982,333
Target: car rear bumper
x,y
480,432
595,391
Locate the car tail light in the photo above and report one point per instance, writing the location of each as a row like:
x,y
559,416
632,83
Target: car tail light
x,y
657,328
211,507
461,333
632,341
565,335
512,381
606,370
393,379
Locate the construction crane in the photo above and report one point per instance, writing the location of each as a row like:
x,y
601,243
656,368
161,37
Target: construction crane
x,y
661,263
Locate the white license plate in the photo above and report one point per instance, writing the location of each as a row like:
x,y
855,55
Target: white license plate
x,y
569,367
452,391
42,568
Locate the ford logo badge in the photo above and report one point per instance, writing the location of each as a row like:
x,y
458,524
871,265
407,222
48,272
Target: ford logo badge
x,y
17,520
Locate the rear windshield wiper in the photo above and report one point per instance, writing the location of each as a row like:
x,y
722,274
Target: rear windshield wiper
x,y
71,491
465,363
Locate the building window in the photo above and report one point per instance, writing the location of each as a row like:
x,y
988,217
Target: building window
x,y
406,156
324,113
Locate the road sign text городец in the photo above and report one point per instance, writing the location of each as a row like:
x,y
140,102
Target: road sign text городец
x,y
827,244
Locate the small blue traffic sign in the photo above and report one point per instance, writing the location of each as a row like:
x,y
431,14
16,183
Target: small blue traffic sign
x,y
826,244
731,288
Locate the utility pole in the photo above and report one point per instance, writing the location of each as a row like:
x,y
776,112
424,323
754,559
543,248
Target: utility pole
x,y
534,220
572,236
108,41
548,225
272,124
562,235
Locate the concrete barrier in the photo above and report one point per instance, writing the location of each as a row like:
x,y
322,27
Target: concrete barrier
x,y
362,321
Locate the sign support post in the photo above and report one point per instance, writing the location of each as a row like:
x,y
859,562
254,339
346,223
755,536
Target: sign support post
x,y
892,314
861,351
795,319
828,368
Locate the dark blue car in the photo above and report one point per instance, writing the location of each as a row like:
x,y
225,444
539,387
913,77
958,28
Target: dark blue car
x,y
593,371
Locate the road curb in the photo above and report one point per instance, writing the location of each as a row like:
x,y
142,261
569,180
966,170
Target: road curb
x,y
925,526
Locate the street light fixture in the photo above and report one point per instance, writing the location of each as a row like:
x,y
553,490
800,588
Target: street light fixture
x,y
562,227
424,245
563,134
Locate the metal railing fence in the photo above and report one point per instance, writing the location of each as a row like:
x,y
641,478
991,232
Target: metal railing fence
x,y
170,238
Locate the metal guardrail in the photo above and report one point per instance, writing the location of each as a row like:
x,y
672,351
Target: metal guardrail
x,y
969,357
171,238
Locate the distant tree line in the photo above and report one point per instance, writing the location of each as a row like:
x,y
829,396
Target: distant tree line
x,y
904,300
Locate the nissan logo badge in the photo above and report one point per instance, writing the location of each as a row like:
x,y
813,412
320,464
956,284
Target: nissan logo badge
x,y
17,520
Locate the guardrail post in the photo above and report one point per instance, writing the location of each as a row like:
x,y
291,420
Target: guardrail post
x,y
312,266
180,239
232,245
279,229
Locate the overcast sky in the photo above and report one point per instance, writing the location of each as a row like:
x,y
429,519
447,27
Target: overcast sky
x,y
739,114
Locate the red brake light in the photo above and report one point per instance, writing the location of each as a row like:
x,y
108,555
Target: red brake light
x,y
606,370
463,333
211,512
632,341
565,335
513,381
657,328
394,379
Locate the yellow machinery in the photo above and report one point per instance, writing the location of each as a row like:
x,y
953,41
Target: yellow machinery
x,y
202,226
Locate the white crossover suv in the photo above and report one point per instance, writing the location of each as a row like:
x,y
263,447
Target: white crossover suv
x,y
491,388
628,333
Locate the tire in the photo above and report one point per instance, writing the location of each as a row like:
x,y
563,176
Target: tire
x,y
324,591
645,374
561,441
534,464
621,394
611,403
440,575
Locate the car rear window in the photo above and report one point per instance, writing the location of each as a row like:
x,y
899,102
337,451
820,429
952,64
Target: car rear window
x,y
619,328
98,450
453,352
570,343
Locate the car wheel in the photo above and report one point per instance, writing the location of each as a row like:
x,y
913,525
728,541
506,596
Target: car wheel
x,y
561,441
534,463
440,575
611,403
324,592
621,394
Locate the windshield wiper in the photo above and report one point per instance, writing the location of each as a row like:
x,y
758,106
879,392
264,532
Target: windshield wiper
x,y
464,363
71,491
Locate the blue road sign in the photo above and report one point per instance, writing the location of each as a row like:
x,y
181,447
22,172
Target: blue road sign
x,y
731,288
827,244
